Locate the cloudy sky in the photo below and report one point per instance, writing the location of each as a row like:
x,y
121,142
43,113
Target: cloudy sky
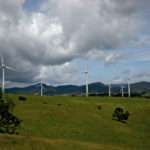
x,y
54,40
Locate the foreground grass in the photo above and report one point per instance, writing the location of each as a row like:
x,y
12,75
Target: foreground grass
x,y
75,123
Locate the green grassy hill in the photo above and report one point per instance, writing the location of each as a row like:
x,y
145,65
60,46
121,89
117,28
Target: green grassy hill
x,y
75,123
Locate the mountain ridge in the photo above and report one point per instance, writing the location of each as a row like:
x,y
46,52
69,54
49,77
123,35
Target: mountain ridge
x,y
70,89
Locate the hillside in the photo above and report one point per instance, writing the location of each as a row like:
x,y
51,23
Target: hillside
x,y
99,88
76,123
141,87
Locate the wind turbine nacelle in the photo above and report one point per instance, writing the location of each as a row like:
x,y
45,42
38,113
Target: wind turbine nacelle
x,y
3,66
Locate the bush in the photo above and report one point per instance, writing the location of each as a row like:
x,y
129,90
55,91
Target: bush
x,y
59,104
99,107
120,115
22,98
45,103
8,121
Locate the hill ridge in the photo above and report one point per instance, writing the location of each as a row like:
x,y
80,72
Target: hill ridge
x,y
69,89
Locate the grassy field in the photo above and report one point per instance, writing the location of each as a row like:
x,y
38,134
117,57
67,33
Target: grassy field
x,y
75,123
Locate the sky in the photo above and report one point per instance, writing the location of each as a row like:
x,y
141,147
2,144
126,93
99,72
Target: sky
x,y
55,40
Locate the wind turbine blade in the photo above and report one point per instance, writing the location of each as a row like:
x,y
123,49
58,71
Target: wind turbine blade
x,y
2,60
10,68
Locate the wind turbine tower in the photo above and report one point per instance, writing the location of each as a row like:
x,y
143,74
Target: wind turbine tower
x,y
41,84
129,88
86,81
109,89
4,67
122,91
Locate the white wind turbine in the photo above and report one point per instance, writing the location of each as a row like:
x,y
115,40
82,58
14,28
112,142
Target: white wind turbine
x,y
122,90
86,81
109,89
40,87
110,84
129,88
4,67
41,84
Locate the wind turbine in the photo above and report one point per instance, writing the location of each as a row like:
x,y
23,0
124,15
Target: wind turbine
x,y
109,89
86,81
122,91
41,84
129,88
4,67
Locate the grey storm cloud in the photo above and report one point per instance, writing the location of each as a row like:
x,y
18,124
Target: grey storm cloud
x,y
93,24
63,30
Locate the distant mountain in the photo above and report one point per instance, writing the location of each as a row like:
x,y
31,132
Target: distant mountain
x,y
33,89
68,89
141,87
94,88
97,87
60,90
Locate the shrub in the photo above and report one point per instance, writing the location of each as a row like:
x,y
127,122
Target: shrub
x,y
59,104
45,103
8,121
120,115
99,107
22,98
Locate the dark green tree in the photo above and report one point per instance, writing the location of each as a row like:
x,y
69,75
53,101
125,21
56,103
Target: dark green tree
x,y
8,121
120,115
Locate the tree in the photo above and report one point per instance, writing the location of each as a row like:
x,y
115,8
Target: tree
x,y
8,122
120,115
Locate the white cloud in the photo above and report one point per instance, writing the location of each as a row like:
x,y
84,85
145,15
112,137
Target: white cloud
x,y
93,24
64,30
60,74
